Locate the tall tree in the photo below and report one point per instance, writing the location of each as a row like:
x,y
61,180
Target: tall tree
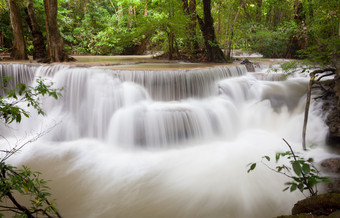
x,y
19,46
230,30
213,51
39,50
171,35
55,42
190,11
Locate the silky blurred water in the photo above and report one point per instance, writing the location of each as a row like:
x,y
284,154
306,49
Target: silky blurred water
x,y
165,143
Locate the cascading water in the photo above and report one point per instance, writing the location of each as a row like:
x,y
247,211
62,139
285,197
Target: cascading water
x,y
165,143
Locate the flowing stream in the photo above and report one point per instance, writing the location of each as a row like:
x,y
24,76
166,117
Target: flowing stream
x,y
164,143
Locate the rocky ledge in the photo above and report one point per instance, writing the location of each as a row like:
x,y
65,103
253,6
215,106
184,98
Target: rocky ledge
x,y
331,108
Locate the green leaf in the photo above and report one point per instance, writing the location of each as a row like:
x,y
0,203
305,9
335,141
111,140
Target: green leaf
x,y
305,169
312,181
293,187
277,156
310,160
268,158
285,189
252,167
297,168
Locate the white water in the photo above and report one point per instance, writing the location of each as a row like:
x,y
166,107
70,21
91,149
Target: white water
x,y
166,143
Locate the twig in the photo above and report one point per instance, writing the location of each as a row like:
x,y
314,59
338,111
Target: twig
x,y
276,171
13,200
33,139
35,188
310,189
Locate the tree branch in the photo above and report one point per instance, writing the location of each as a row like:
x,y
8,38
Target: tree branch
x,y
310,189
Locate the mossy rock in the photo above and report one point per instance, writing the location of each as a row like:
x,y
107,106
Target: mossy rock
x,y
302,215
335,214
324,204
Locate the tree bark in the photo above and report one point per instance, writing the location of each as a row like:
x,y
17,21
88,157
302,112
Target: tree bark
x,y
146,9
55,42
190,11
19,47
231,35
258,10
130,13
39,50
171,32
1,40
244,6
300,40
213,51
193,23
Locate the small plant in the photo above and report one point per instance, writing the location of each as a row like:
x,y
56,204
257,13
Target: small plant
x,y
26,183
23,181
10,109
303,173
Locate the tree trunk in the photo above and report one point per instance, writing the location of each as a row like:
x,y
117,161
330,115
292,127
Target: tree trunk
x,y
190,11
258,10
193,15
19,47
1,40
246,12
130,13
171,44
213,51
171,32
39,50
300,40
219,21
55,43
146,9
231,35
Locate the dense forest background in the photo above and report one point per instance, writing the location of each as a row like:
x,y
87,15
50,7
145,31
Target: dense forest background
x,y
182,29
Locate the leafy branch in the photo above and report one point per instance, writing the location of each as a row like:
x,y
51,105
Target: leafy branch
x,y
28,183
24,181
9,104
303,174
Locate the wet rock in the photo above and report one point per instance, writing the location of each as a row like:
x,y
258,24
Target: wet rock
x,y
333,116
331,165
334,186
319,205
249,65
336,214
44,60
246,61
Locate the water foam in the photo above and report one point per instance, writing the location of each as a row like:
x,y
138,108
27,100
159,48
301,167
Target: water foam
x,y
119,151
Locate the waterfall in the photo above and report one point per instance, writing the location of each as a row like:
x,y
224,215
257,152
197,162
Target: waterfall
x,y
165,143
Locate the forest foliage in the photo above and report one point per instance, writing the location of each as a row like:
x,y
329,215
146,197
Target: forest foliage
x,y
274,28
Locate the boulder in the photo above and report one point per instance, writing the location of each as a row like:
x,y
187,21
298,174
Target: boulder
x,y
246,61
319,205
249,65
331,165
